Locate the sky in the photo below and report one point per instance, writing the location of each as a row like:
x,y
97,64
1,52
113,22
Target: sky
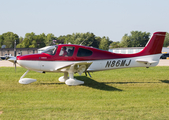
x,y
110,18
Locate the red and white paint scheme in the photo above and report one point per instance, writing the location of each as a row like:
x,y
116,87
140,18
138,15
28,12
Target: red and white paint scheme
x,y
70,59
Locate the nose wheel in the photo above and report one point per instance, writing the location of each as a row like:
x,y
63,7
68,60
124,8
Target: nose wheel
x,y
26,80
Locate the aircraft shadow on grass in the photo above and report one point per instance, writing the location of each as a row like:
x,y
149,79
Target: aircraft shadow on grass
x,y
102,85
92,83
97,85
165,81
128,82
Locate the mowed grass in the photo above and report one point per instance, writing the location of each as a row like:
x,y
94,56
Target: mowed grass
x,y
133,93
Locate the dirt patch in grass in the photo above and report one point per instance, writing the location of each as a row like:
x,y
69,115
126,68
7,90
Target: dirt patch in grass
x,y
1,112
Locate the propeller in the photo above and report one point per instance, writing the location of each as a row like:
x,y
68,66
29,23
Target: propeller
x,y
15,61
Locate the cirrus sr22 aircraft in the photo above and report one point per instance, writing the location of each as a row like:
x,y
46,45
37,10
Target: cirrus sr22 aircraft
x,y
70,59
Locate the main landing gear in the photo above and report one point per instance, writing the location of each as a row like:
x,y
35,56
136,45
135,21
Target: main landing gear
x,y
70,80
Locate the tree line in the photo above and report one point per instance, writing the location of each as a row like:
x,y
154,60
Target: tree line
x,y
31,40
136,39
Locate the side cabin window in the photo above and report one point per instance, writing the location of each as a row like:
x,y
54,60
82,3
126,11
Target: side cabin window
x,y
66,51
84,52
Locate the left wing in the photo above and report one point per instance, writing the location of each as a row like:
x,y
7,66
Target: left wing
x,y
77,67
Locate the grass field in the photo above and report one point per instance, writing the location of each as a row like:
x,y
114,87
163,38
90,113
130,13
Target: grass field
x,y
133,93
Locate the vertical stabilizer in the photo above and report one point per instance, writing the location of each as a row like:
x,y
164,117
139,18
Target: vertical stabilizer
x,y
155,44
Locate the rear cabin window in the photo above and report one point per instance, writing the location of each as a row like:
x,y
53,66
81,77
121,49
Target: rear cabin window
x,y
84,52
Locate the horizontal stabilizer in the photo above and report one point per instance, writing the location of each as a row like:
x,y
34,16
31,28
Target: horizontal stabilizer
x,y
146,61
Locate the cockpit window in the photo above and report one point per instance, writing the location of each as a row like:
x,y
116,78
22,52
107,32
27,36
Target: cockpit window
x,y
51,51
66,51
84,52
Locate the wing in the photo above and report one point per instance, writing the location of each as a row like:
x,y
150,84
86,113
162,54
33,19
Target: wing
x,y
75,67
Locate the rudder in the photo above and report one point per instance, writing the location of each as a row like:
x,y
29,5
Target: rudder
x,y
155,44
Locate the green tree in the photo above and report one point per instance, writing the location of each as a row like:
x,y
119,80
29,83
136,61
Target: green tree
x,y
68,39
33,44
86,39
40,41
126,41
136,39
49,39
21,39
89,39
104,43
115,45
26,43
139,39
61,40
166,41
96,42
9,38
78,38
32,41
30,35
1,40
20,45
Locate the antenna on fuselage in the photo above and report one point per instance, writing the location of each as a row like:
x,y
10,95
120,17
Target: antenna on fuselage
x,y
83,41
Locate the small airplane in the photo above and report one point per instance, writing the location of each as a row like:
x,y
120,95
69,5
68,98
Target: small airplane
x,y
70,59
6,56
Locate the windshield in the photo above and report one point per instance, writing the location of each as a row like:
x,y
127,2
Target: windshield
x,y
51,50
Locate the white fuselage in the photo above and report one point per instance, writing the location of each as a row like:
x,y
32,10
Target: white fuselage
x,y
97,65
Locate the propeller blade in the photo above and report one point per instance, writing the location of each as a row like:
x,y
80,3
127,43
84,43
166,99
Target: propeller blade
x,y
15,48
15,55
15,66
13,60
